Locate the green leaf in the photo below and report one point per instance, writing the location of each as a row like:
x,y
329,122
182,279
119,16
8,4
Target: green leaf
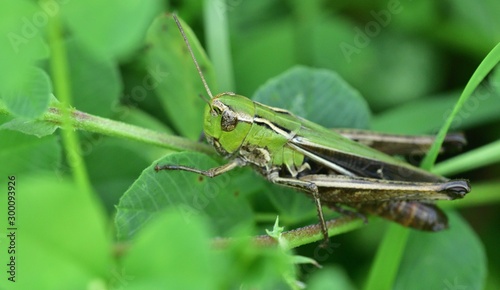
x,y
485,67
30,127
22,44
253,266
22,153
411,67
95,81
318,95
331,277
479,157
57,225
453,259
305,260
189,194
111,28
31,97
259,53
411,113
178,84
182,256
183,251
470,26
276,232
480,108
112,165
293,206
400,69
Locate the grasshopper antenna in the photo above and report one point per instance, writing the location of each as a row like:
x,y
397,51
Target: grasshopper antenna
x,y
205,99
192,56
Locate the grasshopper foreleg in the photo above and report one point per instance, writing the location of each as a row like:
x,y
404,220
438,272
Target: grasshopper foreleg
x,y
212,172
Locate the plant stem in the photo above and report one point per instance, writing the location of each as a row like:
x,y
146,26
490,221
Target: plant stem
x,y
476,158
295,238
488,63
90,123
304,235
391,250
217,38
62,88
389,254
305,15
94,124
312,233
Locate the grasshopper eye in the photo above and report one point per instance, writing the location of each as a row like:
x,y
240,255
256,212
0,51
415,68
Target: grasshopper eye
x,y
228,121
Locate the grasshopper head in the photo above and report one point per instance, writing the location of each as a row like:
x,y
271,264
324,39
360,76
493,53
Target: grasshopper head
x,y
228,119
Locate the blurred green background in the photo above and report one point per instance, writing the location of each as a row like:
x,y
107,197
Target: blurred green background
x,y
119,60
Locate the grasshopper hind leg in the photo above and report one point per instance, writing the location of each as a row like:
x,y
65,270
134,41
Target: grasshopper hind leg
x,y
311,189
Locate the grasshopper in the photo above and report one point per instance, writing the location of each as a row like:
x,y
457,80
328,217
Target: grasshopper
x,y
336,168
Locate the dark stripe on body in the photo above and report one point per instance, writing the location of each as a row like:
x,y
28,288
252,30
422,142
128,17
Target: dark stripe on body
x,y
366,167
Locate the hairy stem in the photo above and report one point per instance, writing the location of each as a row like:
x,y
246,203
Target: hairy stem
x,y
295,237
305,235
62,88
90,123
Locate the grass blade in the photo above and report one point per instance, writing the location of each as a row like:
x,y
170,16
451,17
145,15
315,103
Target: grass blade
x,y
489,62
387,260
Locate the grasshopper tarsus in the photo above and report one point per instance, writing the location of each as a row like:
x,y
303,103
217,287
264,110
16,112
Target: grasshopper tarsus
x,y
325,244
159,167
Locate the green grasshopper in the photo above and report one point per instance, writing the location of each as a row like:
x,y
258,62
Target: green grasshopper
x,y
330,166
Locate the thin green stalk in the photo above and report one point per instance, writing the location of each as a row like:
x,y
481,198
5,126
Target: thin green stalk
x,y
488,63
479,157
295,238
312,233
90,123
305,15
94,124
305,235
385,267
62,88
217,38
390,252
